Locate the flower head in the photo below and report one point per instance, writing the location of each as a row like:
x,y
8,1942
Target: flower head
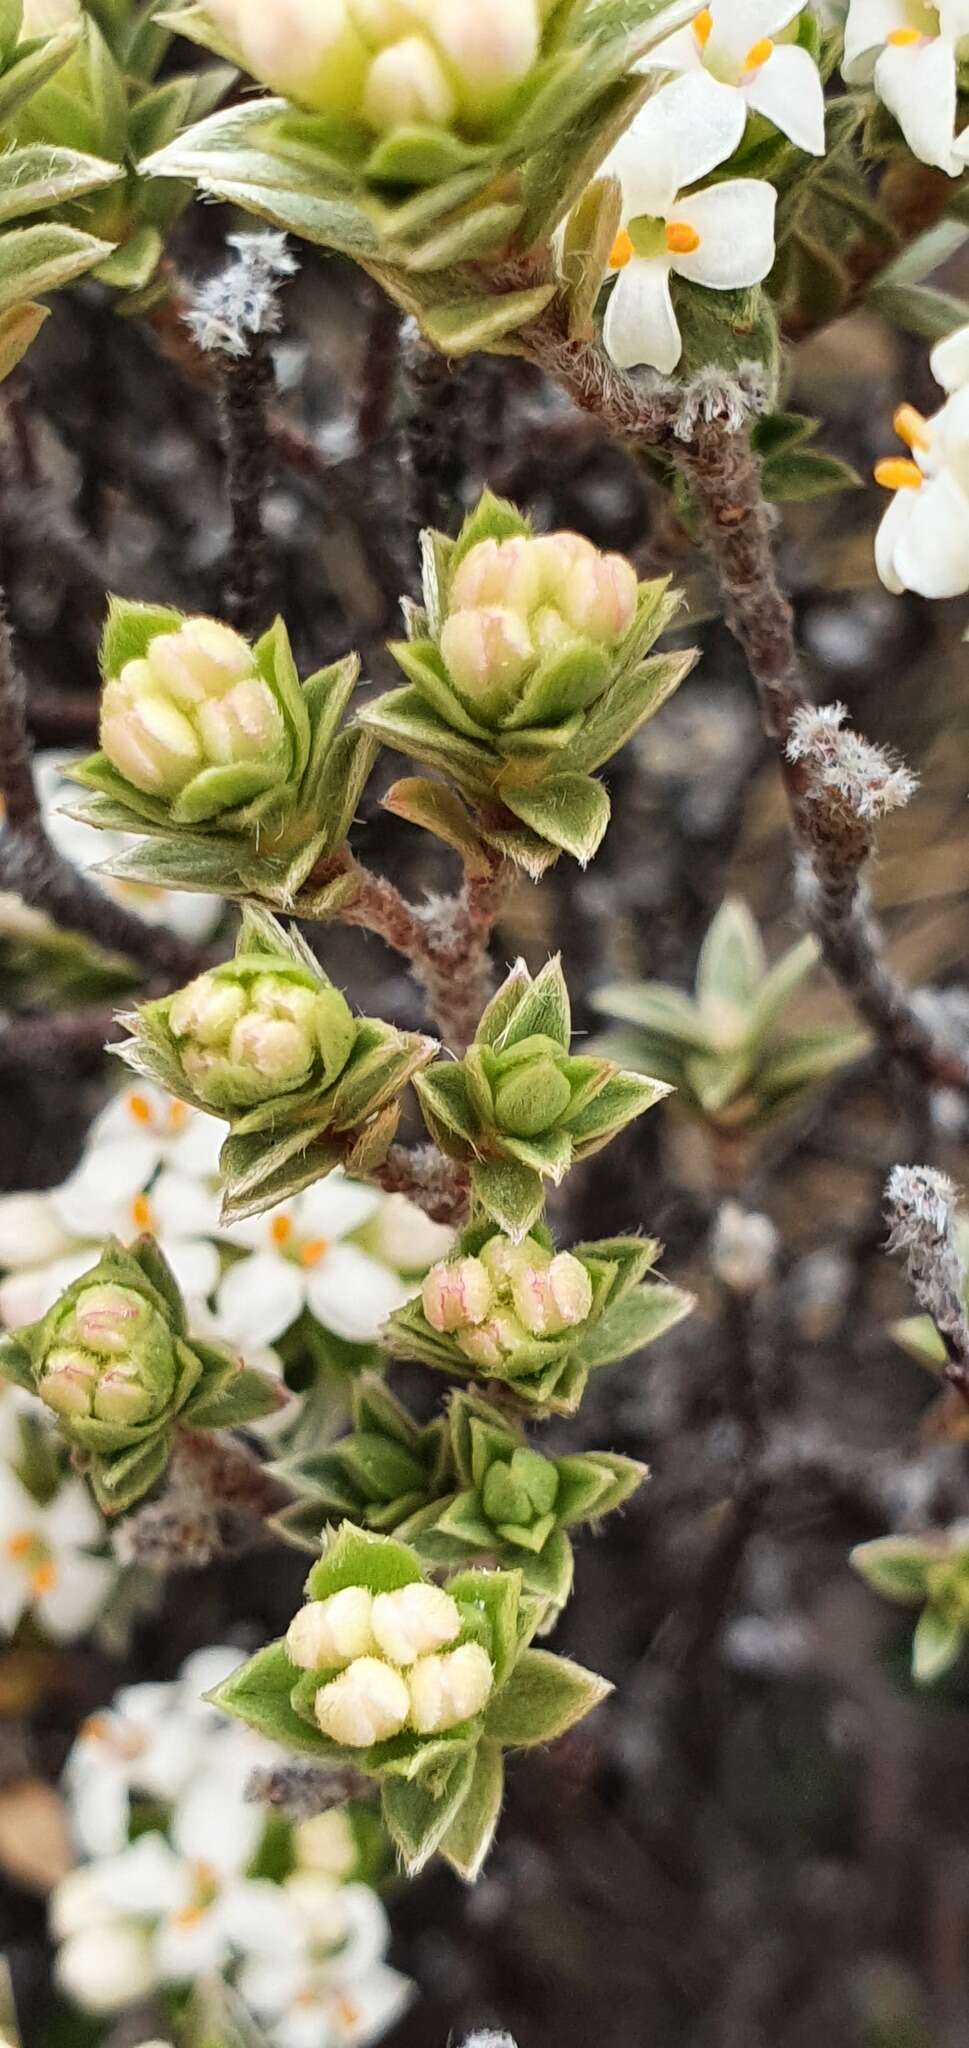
x,y
193,702
735,42
49,1567
910,51
922,543
721,236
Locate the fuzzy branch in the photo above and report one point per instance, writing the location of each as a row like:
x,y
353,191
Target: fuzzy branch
x,y
920,1210
439,1186
215,1504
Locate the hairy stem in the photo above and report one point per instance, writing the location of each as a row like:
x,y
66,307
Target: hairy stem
x,y
439,1186
247,386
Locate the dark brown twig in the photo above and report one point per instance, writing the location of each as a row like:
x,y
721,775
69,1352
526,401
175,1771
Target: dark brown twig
x,y
439,1186
247,385
920,1208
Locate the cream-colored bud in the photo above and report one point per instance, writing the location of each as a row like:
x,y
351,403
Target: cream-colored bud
x,y
326,1634
383,21
243,726
550,630
309,50
447,1690
68,1382
413,1620
145,736
272,1047
107,1967
320,1906
501,1259
203,659
326,1844
499,572
554,1297
491,45
206,1010
407,83
493,1342
456,1293
109,1319
599,598
368,1703
487,649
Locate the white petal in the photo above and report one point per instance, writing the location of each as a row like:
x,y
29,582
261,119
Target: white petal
x,y
77,1596
953,19
98,1799
147,1878
739,24
259,1298
788,91
195,1264
25,1297
18,1508
259,1919
890,530
368,1932
371,2009
96,1198
640,324
72,1520
14,1597
195,1148
201,1673
31,1233
949,361
334,1207
352,1294
408,1239
918,86
184,1206
213,1823
932,552
192,916
189,1946
735,223
269,1985
135,1111
679,52
700,123
868,27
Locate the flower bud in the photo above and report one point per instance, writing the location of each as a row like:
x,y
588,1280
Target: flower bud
x,y
412,1620
319,1906
327,1845
367,1703
491,45
107,1967
67,1382
42,17
111,1358
243,1038
150,742
407,83
109,1319
202,660
207,1009
122,1396
493,1342
456,1293
445,1691
521,1490
554,1297
326,1634
195,700
531,1097
486,650
499,572
309,50
599,598
383,21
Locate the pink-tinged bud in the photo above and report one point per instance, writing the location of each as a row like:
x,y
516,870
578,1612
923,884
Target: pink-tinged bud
x,y
456,1294
494,1342
599,598
413,1620
206,1010
309,50
147,739
368,1703
498,572
67,1383
486,650
327,1634
491,45
407,83
552,1298
558,556
502,1260
202,659
273,1048
550,631
122,1396
109,1319
244,726
444,1691
384,21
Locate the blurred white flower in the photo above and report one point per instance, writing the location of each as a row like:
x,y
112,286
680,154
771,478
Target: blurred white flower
x,y
346,1997
910,51
46,1564
721,237
734,41
949,360
922,543
193,917
301,1258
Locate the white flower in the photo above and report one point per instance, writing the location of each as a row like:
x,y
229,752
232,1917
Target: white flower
x,y
46,1566
408,1239
722,237
949,361
326,1844
301,1259
221,1913
910,51
342,1999
733,40
922,543
193,916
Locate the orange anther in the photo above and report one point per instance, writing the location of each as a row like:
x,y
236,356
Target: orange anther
x,y
703,26
177,1116
314,1251
20,1543
281,1230
912,427
142,1213
139,1107
622,251
681,239
896,473
905,38
758,54
43,1579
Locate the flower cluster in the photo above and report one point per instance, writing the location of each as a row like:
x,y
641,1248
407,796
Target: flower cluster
x,y
923,540
417,1686
185,1878
527,667
910,50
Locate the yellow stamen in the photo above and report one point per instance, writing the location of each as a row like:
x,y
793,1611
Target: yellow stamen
x,y
314,1251
896,473
757,57
139,1108
905,38
189,1916
20,1543
347,2013
177,1117
281,1230
703,26
142,1213
622,251
681,239
912,427
43,1579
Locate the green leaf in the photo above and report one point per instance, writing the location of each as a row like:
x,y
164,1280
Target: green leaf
x,y
248,1396
418,1818
259,1694
919,309
495,1598
586,244
936,1645
732,961
38,259
639,1319
897,1567
513,1195
571,811
544,1696
39,177
461,328
357,1558
117,1482
470,1835
15,1364
807,473
439,810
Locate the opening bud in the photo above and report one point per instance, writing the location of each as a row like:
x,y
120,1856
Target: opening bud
x,y
203,659
109,1319
150,742
447,1690
367,1703
491,47
408,83
488,649
207,1009
456,1294
554,1297
326,1634
67,1383
309,50
494,1342
499,572
413,1620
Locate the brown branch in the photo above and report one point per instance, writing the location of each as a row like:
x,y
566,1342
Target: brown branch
x,y
215,1503
921,1210
439,1186
60,1039
247,385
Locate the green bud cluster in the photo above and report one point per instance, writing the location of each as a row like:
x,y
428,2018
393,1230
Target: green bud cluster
x,y
528,666
267,1042
114,1362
